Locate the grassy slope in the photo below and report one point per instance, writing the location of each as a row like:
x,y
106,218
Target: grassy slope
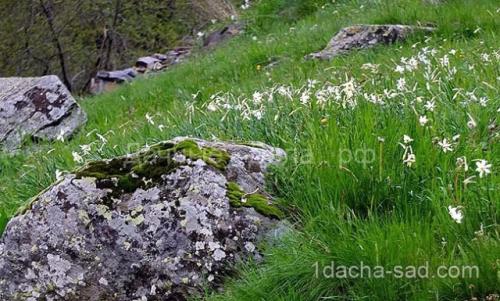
x,y
380,212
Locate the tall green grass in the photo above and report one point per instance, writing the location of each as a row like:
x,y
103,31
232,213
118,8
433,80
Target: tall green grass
x,y
379,212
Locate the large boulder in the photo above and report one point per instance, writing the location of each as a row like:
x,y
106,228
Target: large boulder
x,y
40,108
365,36
155,225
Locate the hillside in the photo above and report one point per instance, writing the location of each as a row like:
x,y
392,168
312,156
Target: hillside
x,y
392,151
74,39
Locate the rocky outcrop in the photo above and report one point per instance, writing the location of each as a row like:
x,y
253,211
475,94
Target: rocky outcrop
x,y
221,35
38,108
365,36
107,81
155,225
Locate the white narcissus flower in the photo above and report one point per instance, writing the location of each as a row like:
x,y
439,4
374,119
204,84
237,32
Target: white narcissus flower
x,y
410,159
483,101
257,114
77,158
446,145
456,213
257,97
305,97
60,136
401,84
407,139
150,119
483,168
430,106
86,148
423,120
59,175
212,107
445,61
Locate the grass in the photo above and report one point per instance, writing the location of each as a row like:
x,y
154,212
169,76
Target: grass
x,y
374,209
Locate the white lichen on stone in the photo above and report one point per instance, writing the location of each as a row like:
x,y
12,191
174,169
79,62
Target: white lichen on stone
x,y
249,246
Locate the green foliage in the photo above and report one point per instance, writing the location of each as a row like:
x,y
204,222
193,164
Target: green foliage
x,y
212,156
268,12
382,212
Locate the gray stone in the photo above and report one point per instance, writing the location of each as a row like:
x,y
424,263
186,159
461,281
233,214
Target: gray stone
x,y
107,81
119,76
40,108
176,55
159,224
365,36
148,64
221,35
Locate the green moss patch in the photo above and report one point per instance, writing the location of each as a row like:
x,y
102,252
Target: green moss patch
x,y
212,156
238,198
128,174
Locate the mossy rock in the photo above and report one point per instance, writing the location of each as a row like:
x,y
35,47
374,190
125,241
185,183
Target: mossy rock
x,y
180,202
126,174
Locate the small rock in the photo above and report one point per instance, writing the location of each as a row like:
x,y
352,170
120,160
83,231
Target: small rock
x,y
40,108
221,35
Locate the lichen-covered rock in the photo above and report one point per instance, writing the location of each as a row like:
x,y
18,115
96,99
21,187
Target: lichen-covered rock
x,y
155,225
365,36
40,108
